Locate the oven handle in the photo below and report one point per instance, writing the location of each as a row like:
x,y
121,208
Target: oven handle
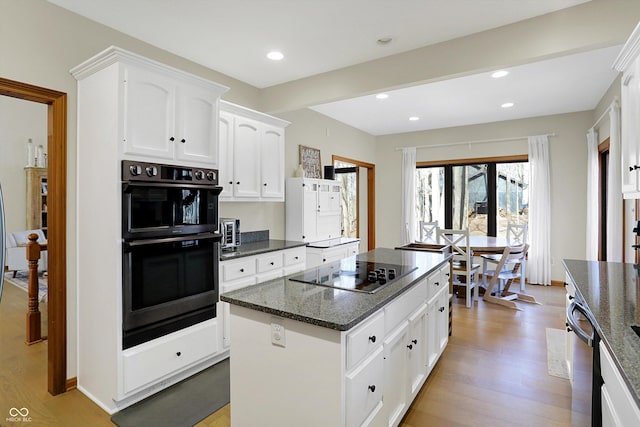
x,y
145,242
572,323
127,184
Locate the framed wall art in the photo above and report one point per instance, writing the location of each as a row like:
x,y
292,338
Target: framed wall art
x,y
310,161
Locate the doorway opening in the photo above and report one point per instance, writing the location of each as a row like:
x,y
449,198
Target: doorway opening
x,y
358,199
57,213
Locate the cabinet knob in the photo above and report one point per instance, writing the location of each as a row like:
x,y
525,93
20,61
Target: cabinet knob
x,y
230,182
183,140
179,354
172,139
441,309
414,341
410,346
242,270
634,167
372,387
324,260
437,283
296,256
238,183
271,263
372,338
265,184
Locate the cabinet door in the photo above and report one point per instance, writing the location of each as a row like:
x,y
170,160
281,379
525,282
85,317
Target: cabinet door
x,y
246,158
395,373
272,163
417,354
310,211
442,320
225,172
197,126
630,112
148,114
329,198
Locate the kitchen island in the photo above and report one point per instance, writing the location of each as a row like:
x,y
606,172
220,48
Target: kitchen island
x,y
306,354
611,293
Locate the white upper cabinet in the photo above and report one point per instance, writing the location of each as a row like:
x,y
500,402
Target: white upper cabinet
x,y
251,155
628,62
169,118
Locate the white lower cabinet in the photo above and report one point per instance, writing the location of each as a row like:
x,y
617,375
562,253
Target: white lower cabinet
x,y
366,376
247,271
151,361
619,408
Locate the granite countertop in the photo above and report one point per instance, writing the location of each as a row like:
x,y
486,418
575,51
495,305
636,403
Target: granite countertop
x,y
256,248
334,308
612,293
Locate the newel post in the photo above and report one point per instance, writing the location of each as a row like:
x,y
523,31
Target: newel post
x,y
34,333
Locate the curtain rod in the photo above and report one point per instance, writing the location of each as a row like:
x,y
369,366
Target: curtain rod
x,y
613,103
479,141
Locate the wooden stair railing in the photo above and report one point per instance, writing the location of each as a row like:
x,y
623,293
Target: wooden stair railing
x,y
34,332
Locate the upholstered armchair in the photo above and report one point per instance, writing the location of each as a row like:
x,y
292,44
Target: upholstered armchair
x,y
17,252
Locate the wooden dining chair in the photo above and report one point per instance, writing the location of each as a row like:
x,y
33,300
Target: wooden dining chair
x,y
516,235
464,272
428,231
507,270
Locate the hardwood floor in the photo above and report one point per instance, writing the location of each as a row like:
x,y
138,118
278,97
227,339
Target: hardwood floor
x,y
493,373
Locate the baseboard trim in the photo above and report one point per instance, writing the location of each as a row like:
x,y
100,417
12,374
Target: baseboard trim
x,y
71,383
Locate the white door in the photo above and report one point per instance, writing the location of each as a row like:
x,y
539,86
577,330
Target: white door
x,y
149,114
197,129
246,158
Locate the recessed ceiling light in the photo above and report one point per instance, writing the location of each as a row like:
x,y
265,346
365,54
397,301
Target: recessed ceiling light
x,y
382,96
414,118
507,105
275,55
499,73
383,41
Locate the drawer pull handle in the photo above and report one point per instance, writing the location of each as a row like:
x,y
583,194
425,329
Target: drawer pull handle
x,y
372,388
414,341
634,167
242,270
372,338
179,354
410,346
441,309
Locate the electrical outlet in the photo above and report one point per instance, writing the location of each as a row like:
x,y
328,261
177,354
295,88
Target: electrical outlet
x,y
277,332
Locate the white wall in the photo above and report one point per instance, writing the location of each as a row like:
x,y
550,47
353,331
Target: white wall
x,y
568,173
19,121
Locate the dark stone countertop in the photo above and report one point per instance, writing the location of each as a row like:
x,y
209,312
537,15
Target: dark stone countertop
x,y
334,308
612,293
260,247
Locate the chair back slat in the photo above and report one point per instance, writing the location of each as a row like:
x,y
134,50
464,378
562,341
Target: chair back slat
x,y
516,233
428,230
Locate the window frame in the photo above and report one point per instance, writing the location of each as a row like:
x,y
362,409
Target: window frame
x,y
492,194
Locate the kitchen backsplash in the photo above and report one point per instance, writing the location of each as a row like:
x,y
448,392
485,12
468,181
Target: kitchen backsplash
x,y
254,236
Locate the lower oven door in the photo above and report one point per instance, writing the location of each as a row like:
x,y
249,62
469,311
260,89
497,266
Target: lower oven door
x,y
166,281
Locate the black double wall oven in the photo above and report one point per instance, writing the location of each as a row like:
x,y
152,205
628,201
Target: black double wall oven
x,y
170,249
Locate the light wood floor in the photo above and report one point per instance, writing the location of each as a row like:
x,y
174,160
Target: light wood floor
x,y
492,373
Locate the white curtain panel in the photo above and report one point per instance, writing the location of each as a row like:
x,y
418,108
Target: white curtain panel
x,y
614,190
408,195
539,263
592,195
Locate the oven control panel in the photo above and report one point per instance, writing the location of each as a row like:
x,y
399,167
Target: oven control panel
x,y
156,172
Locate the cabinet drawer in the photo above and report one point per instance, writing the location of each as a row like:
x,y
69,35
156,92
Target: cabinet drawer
x,y
405,304
237,269
364,339
365,388
270,261
149,362
624,405
294,256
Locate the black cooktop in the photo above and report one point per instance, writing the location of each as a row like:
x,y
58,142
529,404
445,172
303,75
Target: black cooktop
x,y
353,275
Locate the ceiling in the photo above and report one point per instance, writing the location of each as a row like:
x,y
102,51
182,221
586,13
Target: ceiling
x,y
234,36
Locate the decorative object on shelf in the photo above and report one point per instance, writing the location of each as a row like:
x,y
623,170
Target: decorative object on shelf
x,y
40,156
299,173
310,160
31,157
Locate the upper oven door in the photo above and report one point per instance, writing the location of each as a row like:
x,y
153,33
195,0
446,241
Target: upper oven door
x,y
161,210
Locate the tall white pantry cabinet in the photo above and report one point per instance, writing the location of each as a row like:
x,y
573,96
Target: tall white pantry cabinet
x,y
132,108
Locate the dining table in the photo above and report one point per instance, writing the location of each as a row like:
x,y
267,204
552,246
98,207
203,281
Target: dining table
x,y
480,245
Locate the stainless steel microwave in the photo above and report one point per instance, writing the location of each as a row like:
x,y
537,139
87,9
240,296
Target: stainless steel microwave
x,y
230,230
